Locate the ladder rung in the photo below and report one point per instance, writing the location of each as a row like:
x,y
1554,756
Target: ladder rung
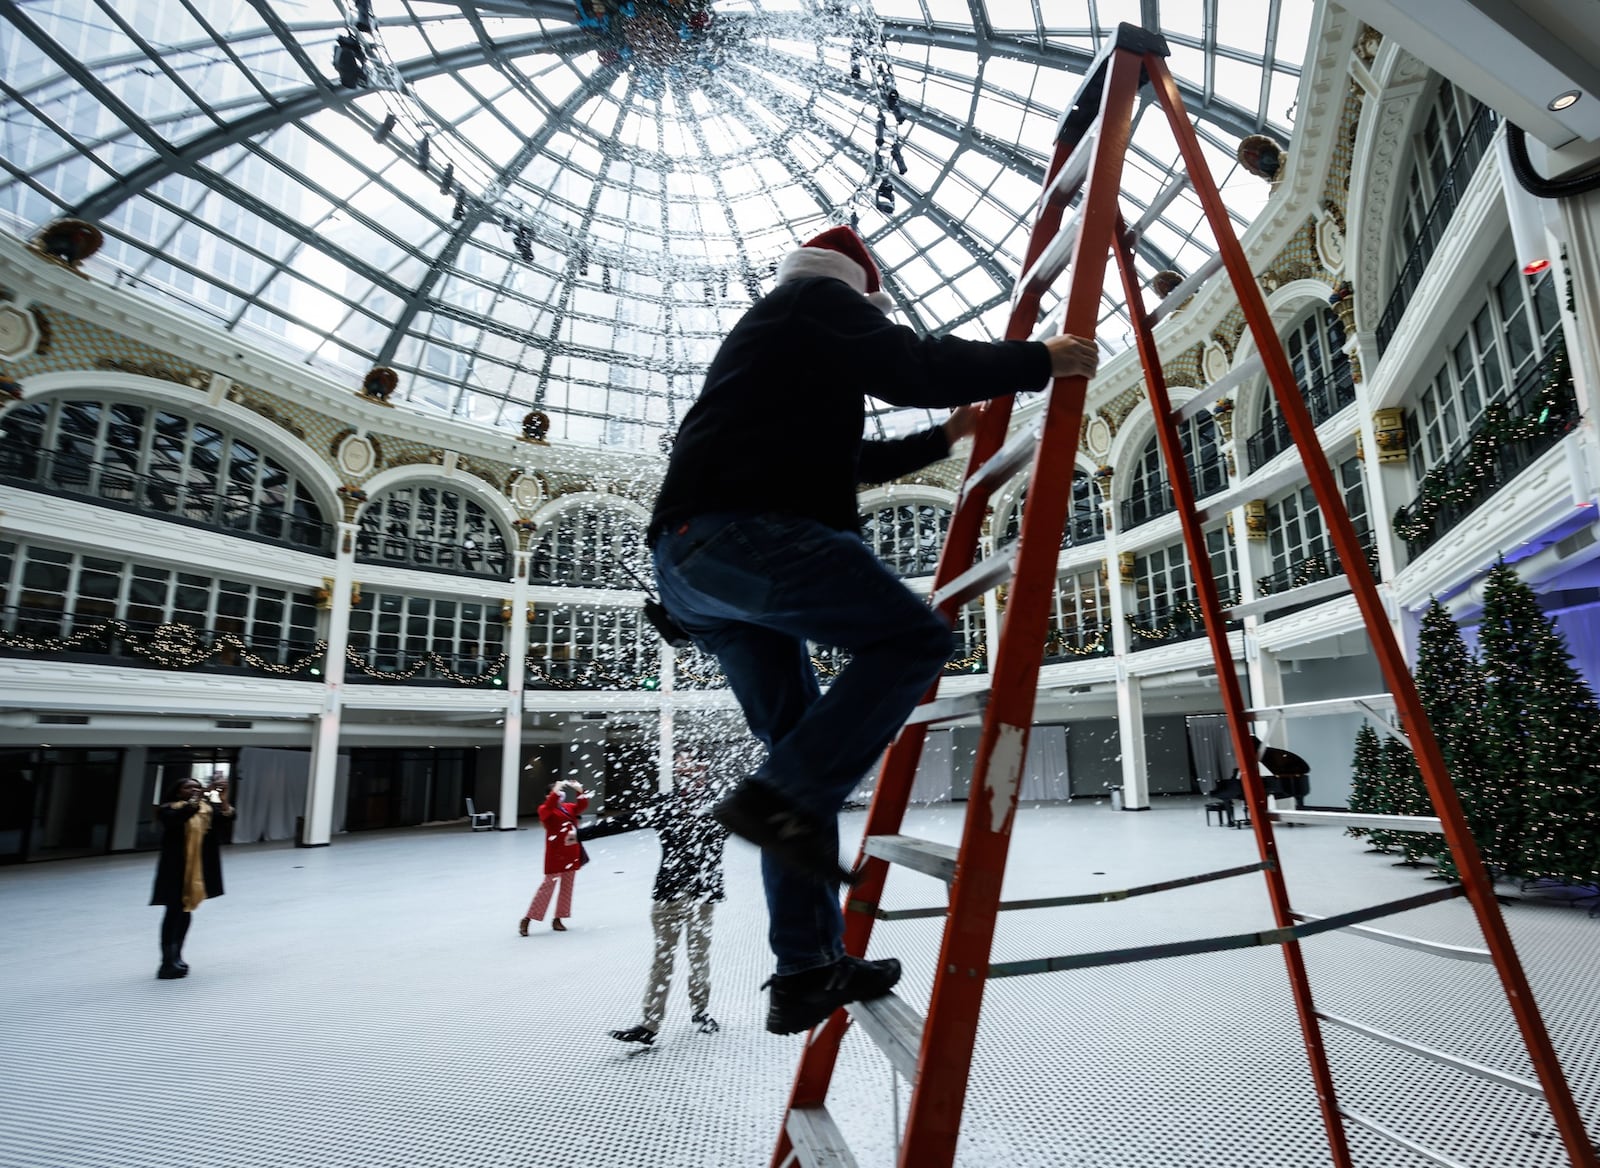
x,y
1437,948
1072,173
1360,819
1053,259
1359,705
895,1027
1306,593
1212,393
1258,487
1515,1082
1006,461
946,709
1160,203
978,579
817,1140
908,914
1219,944
923,855
1186,288
1394,1137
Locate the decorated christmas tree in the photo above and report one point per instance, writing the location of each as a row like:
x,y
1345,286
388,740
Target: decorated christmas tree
x,y
1366,775
1396,774
1561,785
1451,685
1513,629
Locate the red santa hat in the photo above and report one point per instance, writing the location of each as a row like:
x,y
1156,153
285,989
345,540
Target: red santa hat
x,y
840,253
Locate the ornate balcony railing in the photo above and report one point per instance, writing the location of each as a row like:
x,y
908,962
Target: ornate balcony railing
x,y
1209,478
1463,165
463,557
1164,624
70,636
366,665
192,503
1310,569
1324,397
1512,433
1074,642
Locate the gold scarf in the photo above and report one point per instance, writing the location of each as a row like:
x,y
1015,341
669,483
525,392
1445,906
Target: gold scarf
x,y
194,877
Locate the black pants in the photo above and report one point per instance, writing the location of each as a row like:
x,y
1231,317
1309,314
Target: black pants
x,y
175,926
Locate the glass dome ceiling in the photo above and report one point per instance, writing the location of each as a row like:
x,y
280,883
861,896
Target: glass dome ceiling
x,y
521,204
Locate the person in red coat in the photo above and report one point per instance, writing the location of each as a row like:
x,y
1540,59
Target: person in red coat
x,y
563,854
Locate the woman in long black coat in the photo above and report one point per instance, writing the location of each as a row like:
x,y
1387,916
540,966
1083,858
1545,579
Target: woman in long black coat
x,y
195,820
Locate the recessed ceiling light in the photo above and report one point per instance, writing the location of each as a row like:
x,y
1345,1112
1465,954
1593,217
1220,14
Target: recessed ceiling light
x,y
1565,100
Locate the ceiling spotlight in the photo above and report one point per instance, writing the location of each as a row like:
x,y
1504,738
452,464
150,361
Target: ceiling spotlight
x,y
448,177
363,15
523,243
422,153
883,130
605,278
1565,100
884,200
583,261
855,221
386,128
350,62
899,159
855,66
460,211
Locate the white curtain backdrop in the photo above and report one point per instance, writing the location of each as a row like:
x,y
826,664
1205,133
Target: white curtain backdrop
x,y
936,768
1044,774
272,793
1213,754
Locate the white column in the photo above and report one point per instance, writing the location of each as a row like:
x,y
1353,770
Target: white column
x,y
664,754
1130,730
325,740
516,679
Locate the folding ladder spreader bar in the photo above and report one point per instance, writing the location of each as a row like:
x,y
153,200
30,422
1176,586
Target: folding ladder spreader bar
x,y
1255,487
1492,1074
1325,589
1008,460
907,914
1186,288
1211,394
1395,1137
1217,944
978,579
1159,204
1372,704
896,1029
817,1140
1437,948
947,709
1360,819
926,856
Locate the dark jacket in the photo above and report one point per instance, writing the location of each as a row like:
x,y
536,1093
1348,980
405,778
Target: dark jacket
x,y
777,427
174,819
691,844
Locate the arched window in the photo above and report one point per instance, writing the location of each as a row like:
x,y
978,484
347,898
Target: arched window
x,y
908,537
592,546
1086,521
1321,367
1150,496
1298,541
154,460
590,648
424,639
433,528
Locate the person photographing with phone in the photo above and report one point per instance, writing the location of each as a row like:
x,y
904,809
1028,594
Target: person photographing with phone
x,y
563,854
196,819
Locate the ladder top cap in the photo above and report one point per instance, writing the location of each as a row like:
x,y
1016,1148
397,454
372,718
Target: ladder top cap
x,y
1084,108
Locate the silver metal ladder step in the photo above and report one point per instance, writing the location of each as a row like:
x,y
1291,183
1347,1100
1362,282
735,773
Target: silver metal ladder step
x,y
947,709
1006,461
934,859
1257,487
1213,393
1493,1075
1325,589
1158,205
1366,704
1360,819
817,1140
895,1027
1401,940
979,578
1395,1137
1053,259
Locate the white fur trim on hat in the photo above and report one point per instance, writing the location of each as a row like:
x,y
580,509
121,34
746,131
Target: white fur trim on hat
x,y
805,263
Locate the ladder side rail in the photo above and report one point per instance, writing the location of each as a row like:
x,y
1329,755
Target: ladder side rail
x,y
1430,760
934,1116
1233,703
897,774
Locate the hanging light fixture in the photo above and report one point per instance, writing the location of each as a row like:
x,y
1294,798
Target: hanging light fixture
x,y
898,158
884,200
363,15
422,153
387,128
447,178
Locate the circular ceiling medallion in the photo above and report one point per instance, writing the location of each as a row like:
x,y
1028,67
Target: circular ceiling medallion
x,y
1098,438
526,492
356,456
19,332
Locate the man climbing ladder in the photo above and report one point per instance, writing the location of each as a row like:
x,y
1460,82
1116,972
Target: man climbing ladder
x,y
935,1053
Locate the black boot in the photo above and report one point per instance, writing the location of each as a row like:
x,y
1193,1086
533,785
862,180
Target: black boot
x,y
172,965
761,814
802,1000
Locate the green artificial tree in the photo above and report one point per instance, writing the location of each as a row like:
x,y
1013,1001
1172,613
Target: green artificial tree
x,y
1561,785
1365,775
1512,629
1395,777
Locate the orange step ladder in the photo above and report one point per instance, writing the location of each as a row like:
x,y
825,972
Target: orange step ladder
x,y
935,1054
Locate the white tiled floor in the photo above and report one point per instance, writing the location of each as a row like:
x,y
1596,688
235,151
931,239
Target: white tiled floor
x,y
370,1004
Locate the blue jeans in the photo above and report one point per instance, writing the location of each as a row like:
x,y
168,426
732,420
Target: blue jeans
x,y
753,589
